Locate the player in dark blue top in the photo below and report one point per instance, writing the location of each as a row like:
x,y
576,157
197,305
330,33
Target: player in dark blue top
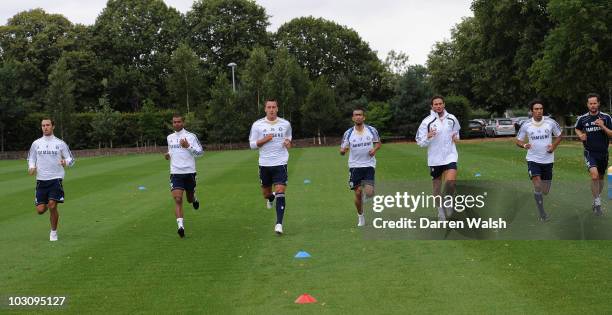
x,y
595,129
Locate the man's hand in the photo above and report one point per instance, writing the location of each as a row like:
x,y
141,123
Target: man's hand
x,y
287,143
32,171
582,136
264,140
550,148
599,122
372,152
527,146
455,137
63,163
184,143
343,150
167,156
432,133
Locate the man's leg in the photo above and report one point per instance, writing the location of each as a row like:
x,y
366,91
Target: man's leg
x,y
177,195
190,193
358,200
437,191
280,202
266,191
537,195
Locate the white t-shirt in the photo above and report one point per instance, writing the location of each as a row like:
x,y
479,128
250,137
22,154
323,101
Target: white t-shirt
x,y
360,143
540,136
45,155
182,160
274,152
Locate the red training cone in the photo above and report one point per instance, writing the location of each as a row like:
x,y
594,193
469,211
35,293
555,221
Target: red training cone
x,y
305,299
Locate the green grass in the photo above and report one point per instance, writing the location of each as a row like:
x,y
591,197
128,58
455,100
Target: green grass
x,y
119,252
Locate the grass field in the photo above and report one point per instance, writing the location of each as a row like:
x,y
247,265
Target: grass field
x,y
118,250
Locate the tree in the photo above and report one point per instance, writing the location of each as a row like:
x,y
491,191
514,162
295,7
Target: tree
x,y
379,115
11,104
397,62
576,54
224,31
319,112
184,81
288,83
326,48
36,40
460,107
253,80
411,101
223,128
60,97
134,39
149,124
105,123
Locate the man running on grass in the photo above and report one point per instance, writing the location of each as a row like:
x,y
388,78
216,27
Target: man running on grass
x,y
540,151
47,158
183,148
272,136
362,142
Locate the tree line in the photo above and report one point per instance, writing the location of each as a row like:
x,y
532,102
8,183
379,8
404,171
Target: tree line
x,y
142,60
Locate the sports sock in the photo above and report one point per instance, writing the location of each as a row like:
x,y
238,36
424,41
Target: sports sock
x,y
540,203
597,201
179,221
280,207
271,197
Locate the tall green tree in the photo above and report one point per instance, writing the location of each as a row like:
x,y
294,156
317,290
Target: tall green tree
x,y
224,31
326,48
319,112
221,127
576,56
185,79
135,39
104,124
11,104
252,87
411,102
60,97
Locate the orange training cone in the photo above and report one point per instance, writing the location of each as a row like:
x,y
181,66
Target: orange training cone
x,y
305,299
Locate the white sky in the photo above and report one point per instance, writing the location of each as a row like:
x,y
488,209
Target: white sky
x,y
410,26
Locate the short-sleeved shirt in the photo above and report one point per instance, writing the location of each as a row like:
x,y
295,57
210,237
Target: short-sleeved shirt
x,y
540,136
360,143
597,139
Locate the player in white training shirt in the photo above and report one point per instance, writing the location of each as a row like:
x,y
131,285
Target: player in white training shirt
x,y
540,146
183,148
47,158
439,132
272,136
362,142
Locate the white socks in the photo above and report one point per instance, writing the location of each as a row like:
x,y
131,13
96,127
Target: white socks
x,y
179,221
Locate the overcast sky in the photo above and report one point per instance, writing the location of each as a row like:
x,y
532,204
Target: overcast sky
x,y
410,26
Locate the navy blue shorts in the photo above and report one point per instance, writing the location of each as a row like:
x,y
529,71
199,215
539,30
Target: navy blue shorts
x,y
436,171
359,174
596,159
545,171
49,190
273,175
185,182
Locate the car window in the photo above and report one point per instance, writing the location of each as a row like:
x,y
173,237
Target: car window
x,y
505,122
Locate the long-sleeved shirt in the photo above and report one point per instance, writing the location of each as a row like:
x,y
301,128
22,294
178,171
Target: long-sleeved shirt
x,y
46,154
182,160
441,149
274,152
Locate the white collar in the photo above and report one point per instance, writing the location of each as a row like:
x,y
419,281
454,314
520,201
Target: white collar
x,y
444,114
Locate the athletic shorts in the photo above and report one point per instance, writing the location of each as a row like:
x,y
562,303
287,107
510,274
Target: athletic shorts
x,y
49,190
186,182
273,175
596,159
436,171
357,175
545,171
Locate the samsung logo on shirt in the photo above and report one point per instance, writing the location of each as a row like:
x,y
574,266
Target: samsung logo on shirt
x,y
591,129
539,137
276,135
45,152
175,146
358,145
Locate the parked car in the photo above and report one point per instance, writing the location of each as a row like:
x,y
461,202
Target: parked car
x,y
476,129
500,127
